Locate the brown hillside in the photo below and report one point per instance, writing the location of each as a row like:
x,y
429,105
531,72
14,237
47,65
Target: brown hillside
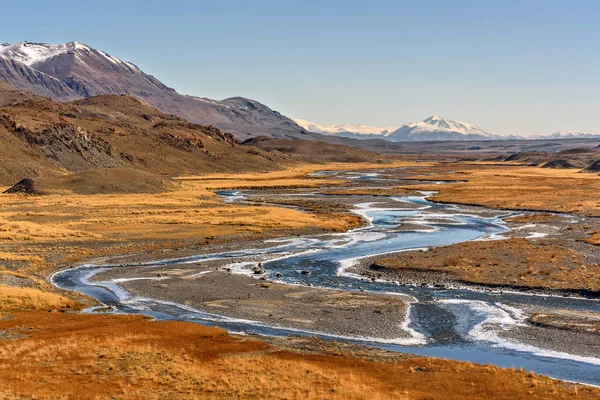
x,y
9,95
314,150
565,159
107,180
44,139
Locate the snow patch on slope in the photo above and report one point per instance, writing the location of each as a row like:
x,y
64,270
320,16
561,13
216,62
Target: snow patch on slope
x,y
34,53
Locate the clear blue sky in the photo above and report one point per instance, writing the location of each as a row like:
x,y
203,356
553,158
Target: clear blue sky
x,y
509,66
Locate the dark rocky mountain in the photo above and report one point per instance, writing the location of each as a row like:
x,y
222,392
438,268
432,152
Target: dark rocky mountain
x,y
74,70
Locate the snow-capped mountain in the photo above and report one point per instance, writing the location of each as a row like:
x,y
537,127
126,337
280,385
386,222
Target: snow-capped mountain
x,y
568,135
432,128
31,54
73,70
438,128
336,129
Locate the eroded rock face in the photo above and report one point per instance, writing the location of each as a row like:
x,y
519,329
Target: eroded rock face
x,y
213,132
186,143
68,145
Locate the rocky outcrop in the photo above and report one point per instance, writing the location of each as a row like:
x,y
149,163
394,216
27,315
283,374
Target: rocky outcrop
x,y
24,186
559,164
70,146
594,167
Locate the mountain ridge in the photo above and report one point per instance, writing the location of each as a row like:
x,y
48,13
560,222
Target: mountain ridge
x,y
432,128
568,135
338,129
73,70
47,140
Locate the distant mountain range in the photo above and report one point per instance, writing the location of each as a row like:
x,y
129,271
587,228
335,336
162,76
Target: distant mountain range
x,y
568,135
73,71
434,128
346,129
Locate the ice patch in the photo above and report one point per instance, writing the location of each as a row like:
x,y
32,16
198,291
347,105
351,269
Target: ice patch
x,y
501,317
534,235
122,280
360,237
199,274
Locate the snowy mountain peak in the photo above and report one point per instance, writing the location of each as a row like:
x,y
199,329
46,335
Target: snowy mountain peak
x,y
30,53
438,128
432,128
452,125
339,129
433,118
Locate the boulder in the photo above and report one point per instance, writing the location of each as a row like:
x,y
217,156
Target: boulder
x,y
24,186
258,270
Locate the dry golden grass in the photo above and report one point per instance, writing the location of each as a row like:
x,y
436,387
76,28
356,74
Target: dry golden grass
x,y
297,172
537,218
594,238
513,262
518,187
56,355
12,298
18,257
34,227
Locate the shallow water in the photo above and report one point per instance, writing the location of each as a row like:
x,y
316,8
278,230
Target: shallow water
x,y
457,324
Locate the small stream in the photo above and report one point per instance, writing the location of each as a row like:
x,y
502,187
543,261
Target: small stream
x,y
458,324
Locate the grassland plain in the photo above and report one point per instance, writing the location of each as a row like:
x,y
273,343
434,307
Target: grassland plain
x,y
561,262
503,263
38,233
516,187
50,354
